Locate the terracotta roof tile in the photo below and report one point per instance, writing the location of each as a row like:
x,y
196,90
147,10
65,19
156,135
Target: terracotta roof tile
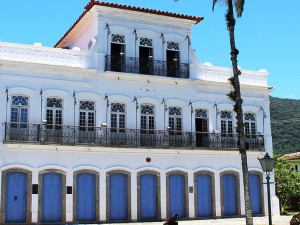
x,y
133,8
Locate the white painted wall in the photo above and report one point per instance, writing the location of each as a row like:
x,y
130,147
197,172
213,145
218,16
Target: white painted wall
x,y
25,70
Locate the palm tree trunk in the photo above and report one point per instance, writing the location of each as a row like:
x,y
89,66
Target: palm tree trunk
x,y
236,97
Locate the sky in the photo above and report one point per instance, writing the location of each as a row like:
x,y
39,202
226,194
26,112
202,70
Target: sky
x,y
267,35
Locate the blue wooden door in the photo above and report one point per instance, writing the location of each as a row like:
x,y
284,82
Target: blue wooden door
x,y
118,196
255,193
86,195
148,198
203,195
51,197
176,195
15,197
229,195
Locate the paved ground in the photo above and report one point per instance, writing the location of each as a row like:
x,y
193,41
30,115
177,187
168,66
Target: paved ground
x,y
284,220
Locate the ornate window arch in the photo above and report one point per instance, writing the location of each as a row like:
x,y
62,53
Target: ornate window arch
x,y
250,124
118,38
19,111
146,42
175,118
226,123
173,45
86,115
118,116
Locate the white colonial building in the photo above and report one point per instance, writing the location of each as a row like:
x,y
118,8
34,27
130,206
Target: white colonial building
x,y
120,122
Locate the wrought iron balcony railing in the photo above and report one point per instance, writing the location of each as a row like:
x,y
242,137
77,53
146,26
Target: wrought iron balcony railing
x,y
110,137
146,66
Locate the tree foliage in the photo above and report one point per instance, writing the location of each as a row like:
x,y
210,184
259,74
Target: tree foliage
x,y
287,183
285,118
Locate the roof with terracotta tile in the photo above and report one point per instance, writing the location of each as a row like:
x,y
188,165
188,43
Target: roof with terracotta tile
x,y
295,155
133,8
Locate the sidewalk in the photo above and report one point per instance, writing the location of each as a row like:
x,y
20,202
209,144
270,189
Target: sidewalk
x,y
282,220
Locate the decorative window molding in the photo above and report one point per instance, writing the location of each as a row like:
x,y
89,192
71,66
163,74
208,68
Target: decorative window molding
x,y
117,107
146,42
19,100
147,109
226,114
54,102
118,38
174,111
172,45
201,113
250,116
87,105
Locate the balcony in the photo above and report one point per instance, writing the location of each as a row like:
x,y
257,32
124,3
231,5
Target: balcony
x,y
132,138
146,66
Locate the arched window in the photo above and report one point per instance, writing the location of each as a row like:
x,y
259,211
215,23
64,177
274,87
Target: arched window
x,y
201,127
226,124
175,118
250,125
117,47
147,118
19,111
54,113
173,57
117,116
87,115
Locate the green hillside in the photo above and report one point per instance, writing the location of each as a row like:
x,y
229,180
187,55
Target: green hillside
x,y
285,121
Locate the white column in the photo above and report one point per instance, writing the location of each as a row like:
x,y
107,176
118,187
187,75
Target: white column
x,y
35,197
69,197
133,195
217,194
163,194
102,196
191,195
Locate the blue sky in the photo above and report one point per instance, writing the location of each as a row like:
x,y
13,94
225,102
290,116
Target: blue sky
x,y
267,36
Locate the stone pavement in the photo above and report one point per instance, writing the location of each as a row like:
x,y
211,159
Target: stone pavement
x,y
280,220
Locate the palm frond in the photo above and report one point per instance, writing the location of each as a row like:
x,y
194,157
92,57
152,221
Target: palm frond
x,y
239,7
214,2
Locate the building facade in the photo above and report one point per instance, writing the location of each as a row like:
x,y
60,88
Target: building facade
x,y
121,122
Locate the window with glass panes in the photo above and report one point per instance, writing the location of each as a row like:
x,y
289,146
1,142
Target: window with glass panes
x,y
226,123
250,125
19,111
117,116
87,115
54,113
175,119
147,118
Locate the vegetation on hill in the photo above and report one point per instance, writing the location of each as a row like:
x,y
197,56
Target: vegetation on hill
x,y
285,122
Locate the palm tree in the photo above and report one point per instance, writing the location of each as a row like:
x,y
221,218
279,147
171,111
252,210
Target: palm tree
x,y
235,96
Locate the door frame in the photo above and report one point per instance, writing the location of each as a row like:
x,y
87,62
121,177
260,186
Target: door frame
x,y
97,196
158,194
237,192
186,191
63,193
128,174
212,192
29,192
